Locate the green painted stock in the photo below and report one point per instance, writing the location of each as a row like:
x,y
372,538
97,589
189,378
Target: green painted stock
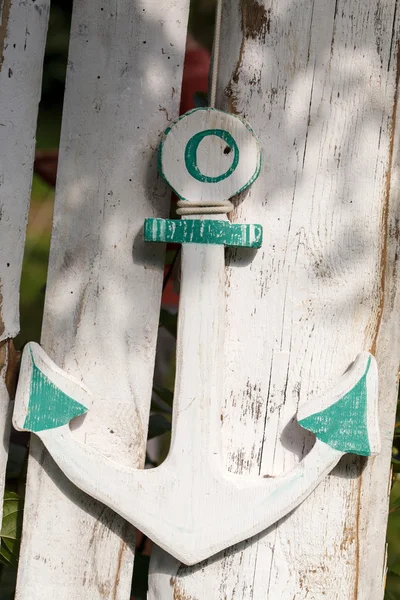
x,y
196,231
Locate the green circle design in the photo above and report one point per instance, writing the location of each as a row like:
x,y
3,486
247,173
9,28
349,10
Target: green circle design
x,y
191,155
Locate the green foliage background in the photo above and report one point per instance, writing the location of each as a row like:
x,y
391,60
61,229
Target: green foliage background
x,y
32,299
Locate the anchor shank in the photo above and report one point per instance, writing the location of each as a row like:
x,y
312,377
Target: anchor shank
x,y
199,375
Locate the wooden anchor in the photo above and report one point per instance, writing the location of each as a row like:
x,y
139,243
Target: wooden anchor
x,y
190,505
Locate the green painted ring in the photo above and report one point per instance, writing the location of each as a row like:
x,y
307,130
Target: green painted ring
x,y
210,173
191,155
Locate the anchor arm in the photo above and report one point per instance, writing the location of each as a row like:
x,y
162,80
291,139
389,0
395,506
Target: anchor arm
x,y
132,493
192,481
129,491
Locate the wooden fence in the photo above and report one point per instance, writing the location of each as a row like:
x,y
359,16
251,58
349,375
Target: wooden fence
x,y
318,81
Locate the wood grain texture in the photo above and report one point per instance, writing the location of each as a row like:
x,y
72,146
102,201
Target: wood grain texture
x,y
319,82
104,285
23,27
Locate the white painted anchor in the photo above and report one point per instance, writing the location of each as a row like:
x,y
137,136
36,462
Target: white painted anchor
x,y
190,505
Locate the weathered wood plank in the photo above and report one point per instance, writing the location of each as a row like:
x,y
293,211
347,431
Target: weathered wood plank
x,y
319,83
104,284
23,28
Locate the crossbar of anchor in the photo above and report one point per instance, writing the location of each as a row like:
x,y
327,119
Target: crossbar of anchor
x,y
205,231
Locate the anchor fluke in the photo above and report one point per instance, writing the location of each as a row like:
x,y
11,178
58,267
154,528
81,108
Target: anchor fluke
x,y
47,397
347,420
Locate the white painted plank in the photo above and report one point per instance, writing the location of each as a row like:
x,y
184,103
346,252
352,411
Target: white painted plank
x,y
23,27
375,484
319,82
104,285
